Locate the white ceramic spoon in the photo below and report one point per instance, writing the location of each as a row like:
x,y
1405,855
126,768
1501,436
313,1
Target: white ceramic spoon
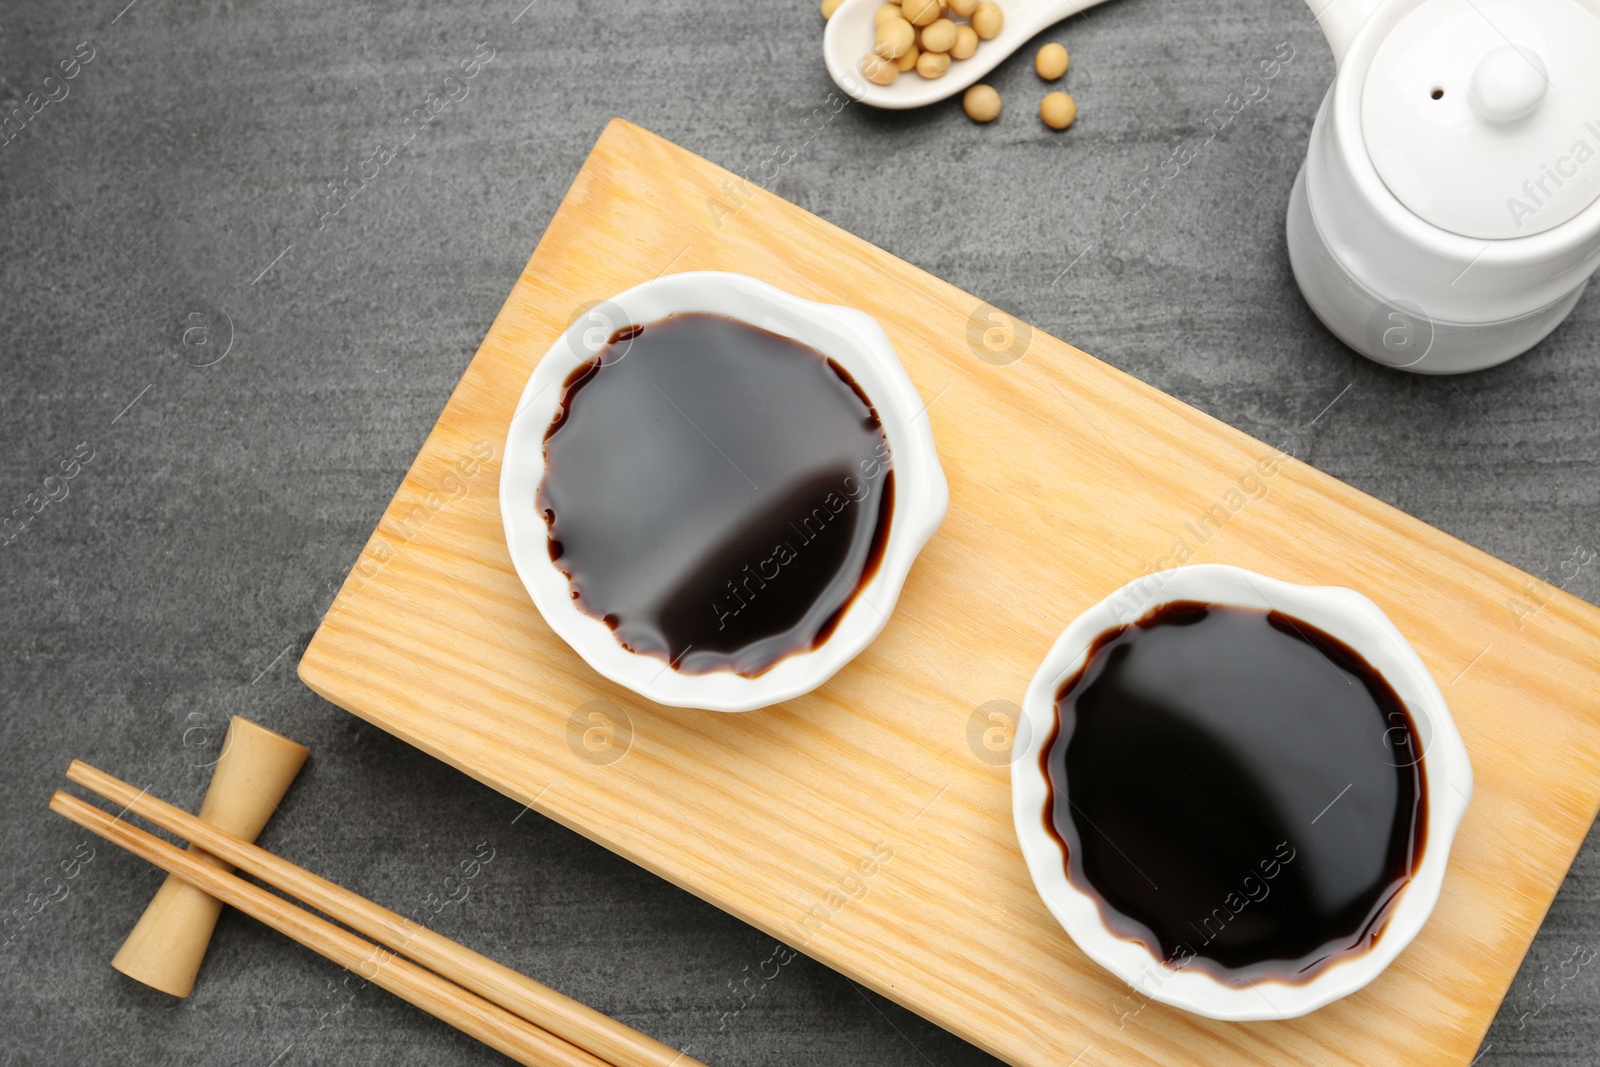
x,y
850,33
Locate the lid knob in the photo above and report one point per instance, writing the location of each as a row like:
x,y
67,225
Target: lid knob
x,y
1482,117
1507,84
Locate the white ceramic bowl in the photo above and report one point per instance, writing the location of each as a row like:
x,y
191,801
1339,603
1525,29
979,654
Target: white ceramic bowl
x,y
1351,618
850,337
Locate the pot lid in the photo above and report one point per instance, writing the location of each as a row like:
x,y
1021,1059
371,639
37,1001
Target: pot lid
x,y
1483,116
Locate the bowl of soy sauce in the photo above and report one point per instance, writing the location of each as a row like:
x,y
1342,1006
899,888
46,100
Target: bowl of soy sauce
x,y
714,490
1238,793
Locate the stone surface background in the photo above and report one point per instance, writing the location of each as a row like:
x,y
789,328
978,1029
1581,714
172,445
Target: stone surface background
x,y
180,578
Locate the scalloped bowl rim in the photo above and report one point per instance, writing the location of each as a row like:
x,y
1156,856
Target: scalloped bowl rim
x,y
850,337
1348,616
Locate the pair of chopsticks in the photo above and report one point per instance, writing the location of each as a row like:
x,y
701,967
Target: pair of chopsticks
x,y
509,1012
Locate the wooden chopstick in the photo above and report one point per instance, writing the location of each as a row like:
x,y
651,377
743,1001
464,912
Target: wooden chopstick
x,y
462,1009
520,995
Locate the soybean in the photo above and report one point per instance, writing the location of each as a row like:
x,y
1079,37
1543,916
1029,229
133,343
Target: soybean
x,y
966,45
895,38
1058,111
879,71
939,36
981,103
933,64
1051,62
987,18
922,35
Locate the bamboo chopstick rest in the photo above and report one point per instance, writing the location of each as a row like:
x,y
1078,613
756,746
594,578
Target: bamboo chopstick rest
x,y
169,941
490,1023
476,977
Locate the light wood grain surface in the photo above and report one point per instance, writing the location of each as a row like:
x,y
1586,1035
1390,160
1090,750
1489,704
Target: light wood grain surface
x,y
1067,479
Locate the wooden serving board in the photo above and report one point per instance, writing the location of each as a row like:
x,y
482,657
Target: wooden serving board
x,y
857,823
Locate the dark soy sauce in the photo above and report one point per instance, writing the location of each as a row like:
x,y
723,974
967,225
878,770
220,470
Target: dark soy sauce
x,y
1239,790
715,493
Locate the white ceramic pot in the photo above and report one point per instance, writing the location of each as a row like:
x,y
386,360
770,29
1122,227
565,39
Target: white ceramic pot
x,y
1344,614
851,338
1447,217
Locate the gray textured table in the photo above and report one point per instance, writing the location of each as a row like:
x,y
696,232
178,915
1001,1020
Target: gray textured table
x,y
185,172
